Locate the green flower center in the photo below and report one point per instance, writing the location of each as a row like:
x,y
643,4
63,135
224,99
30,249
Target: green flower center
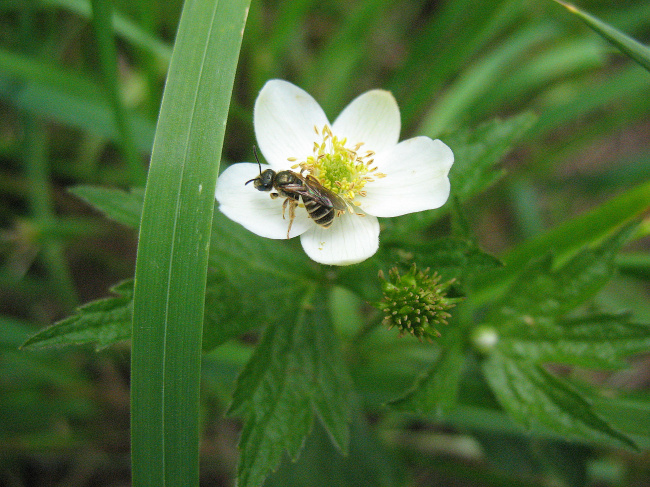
x,y
343,170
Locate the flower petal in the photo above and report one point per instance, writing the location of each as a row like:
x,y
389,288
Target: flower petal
x,y
284,121
349,240
253,209
416,178
371,118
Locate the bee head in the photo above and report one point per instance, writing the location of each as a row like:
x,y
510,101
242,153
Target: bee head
x,y
263,182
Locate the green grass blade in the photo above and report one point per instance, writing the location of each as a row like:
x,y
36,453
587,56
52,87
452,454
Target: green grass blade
x,y
174,237
31,69
627,45
103,26
35,147
123,27
477,81
341,57
43,88
466,27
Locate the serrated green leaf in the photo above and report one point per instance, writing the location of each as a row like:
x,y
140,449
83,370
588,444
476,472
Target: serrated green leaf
x,y
536,398
448,256
629,412
104,322
568,238
296,370
597,341
369,463
121,206
476,153
437,389
627,45
332,395
541,291
252,281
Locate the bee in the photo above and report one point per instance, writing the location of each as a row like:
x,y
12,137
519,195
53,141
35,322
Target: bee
x,y
321,204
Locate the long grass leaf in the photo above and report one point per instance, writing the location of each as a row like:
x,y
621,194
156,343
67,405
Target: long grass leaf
x,y
627,45
172,258
478,80
103,26
42,88
123,27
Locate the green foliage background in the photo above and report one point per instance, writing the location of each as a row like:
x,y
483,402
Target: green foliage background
x,y
544,233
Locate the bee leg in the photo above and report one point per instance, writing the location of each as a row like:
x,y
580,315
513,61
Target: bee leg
x,y
292,212
284,206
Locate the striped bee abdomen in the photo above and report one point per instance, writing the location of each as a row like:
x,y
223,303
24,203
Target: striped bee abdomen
x,y
321,214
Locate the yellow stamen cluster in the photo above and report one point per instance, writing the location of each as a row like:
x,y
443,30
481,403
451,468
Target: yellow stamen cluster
x,y
342,170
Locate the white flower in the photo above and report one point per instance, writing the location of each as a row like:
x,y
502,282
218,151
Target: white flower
x,y
358,158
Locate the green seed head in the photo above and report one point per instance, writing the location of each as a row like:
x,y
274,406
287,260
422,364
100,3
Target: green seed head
x,y
415,303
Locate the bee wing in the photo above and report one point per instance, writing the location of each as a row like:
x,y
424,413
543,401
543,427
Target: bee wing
x,y
310,193
323,195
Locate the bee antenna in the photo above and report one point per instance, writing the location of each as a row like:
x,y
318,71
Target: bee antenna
x,y
258,164
257,158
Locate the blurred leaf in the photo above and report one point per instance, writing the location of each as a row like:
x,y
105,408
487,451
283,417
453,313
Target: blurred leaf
x,y
629,412
635,264
540,291
102,22
297,370
252,281
551,65
451,258
565,239
14,333
627,45
116,204
89,114
476,153
623,89
25,69
475,83
509,452
42,88
103,322
369,463
436,390
123,26
536,398
340,59
567,462
627,172
596,341
447,44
